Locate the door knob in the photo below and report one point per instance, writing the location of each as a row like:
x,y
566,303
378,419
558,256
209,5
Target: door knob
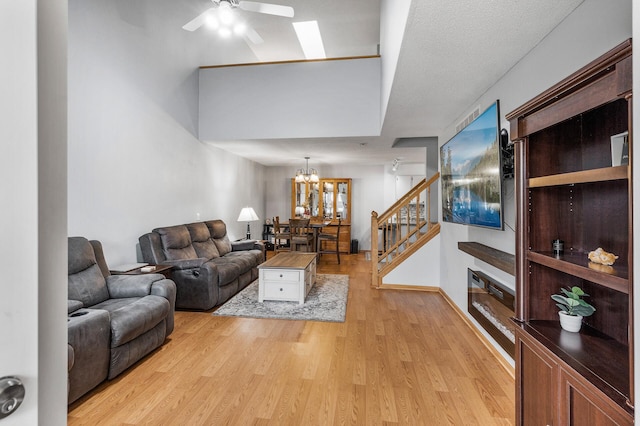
x,y
11,395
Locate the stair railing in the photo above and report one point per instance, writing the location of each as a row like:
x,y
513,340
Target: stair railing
x,y
401,225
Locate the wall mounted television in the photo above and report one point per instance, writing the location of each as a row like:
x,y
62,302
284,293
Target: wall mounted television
x,y
471,173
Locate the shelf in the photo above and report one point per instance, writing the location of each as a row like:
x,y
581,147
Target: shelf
x,y
615,277
599,358
567,188
504,261
584,176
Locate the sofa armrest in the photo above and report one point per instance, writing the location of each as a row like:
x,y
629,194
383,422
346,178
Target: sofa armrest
x,y
88,336
123,286
197,287
73,305
244,245
250,245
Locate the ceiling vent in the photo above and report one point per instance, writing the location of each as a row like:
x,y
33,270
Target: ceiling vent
x,y
464,123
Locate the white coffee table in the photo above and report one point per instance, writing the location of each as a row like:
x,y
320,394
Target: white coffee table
x,y
287,277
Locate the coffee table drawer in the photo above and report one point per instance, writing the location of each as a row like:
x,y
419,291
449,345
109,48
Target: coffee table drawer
x,y
281,291
281,275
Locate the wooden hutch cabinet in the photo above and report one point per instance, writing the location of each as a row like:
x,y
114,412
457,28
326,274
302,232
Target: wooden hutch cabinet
x,y
305,199
573,186
327,200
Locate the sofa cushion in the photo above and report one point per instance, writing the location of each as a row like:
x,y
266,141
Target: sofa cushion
x,y
134,316
256,254
228,270
73,305
85,280
223,244
80,255
217,228
244,259
201,240
218,231
176,242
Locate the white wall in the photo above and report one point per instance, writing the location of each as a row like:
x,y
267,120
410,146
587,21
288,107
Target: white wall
x,y
135,162
393,21
591,30
421,269
331,98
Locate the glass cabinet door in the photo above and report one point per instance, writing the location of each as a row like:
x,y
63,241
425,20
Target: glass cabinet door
x,y
305,199
342,208
335,200
301,196
313,200
327,200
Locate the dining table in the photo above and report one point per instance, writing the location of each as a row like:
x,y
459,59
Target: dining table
x,y
315,225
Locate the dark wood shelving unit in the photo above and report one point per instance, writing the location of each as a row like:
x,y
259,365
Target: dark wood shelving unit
x,y
494,257
568,188
615,277
594,355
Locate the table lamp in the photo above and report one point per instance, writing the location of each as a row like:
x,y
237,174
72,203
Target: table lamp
x,y
247,214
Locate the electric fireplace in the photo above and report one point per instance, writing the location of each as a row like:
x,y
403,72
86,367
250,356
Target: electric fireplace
x,y
492,304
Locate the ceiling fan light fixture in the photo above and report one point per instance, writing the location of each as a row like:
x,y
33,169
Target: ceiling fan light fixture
x,y
212,22
225,13
224,32
240,28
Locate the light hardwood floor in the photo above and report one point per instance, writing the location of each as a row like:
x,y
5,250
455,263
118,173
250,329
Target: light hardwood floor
x,y
400,358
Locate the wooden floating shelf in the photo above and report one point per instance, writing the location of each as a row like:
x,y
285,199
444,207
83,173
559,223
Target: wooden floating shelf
x,y
504,261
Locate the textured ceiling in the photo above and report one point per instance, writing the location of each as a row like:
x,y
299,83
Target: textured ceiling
x,y
452,52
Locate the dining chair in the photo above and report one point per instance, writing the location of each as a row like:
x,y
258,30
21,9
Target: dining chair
x,y
301,234
332,243
281,237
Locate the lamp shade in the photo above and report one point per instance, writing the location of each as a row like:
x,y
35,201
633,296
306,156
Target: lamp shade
x,y
247,214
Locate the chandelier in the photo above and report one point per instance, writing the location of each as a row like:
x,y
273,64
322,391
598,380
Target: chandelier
x,y
307,175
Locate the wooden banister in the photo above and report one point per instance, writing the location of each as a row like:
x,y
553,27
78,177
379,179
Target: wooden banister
x,y
405,226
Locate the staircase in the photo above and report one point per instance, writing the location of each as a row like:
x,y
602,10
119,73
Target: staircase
x,y
402,229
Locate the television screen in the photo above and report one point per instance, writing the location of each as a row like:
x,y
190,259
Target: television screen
x,y
471,173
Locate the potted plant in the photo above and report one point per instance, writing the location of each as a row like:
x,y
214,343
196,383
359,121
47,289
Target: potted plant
x,y
572,308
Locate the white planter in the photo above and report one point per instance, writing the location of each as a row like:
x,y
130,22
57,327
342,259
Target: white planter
x,y
570,322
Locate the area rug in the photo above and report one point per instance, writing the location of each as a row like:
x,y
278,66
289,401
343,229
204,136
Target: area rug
x,y
326,301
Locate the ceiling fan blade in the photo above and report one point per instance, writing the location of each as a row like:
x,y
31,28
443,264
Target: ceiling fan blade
x,y
253,36
271,9
198,21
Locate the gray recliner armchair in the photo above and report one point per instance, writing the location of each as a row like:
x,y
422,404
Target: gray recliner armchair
x,y
114,320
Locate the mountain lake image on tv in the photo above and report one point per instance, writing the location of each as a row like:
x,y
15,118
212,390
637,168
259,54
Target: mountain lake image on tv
x,y
471,173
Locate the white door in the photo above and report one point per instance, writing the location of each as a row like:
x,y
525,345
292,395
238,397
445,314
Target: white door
x,y
33,285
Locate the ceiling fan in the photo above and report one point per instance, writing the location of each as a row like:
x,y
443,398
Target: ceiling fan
x,y
221,16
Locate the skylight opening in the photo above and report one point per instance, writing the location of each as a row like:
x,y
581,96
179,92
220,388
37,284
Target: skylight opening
x,y
310,39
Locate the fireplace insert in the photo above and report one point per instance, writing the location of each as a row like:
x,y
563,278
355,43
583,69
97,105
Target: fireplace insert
x,y
492,304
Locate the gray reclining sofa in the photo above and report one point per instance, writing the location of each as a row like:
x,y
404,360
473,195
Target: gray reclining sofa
x,y
208,268
114,320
